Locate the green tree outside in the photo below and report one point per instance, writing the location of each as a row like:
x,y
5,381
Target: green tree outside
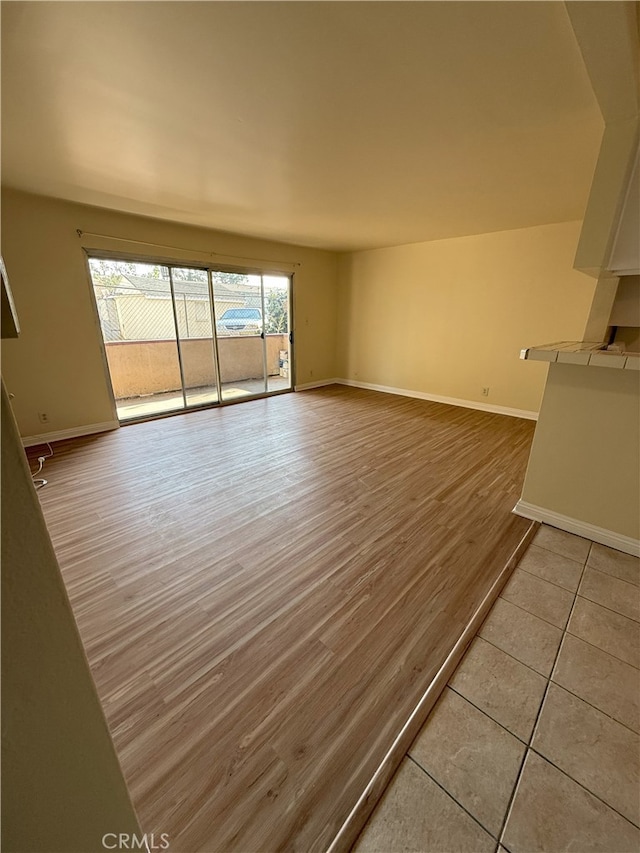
x,y
277,312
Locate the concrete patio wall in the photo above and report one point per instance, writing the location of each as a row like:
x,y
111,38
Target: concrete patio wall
x,y
151,367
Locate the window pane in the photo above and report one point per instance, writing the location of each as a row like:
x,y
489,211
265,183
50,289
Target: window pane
x,y
239,326
136,317
277,328
193,313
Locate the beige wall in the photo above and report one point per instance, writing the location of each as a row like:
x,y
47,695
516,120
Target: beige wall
x,y
62,785
584,461
607,36
446,317
450,317
585,457
56,366
607,196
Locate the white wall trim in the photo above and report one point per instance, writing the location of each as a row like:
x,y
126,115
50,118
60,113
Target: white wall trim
x,y
449,401
580,528
319,384
74,432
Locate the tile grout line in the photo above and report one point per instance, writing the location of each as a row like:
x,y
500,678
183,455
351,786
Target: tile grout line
x,y
614,577
599,648
546,678
573,559
595,707
546,580
610,609
584,788
541,618
497,722
529,748
450,795
517,660
542,703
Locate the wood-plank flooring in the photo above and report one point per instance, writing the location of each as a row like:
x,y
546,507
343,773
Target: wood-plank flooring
x,y
265,591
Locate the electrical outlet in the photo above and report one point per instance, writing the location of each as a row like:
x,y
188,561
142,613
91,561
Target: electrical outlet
x,y
43,417
485,392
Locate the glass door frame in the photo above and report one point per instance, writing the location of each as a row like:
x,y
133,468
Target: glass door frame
x,y
174,310
188,406
214,334
210,269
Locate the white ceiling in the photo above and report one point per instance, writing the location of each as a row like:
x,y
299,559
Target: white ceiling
x,y
334,124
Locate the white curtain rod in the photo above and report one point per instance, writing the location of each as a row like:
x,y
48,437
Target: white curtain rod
x,y
81,234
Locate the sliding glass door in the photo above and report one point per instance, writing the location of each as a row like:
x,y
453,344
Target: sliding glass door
x,y
194,324
277,301
240,330
182,337
137,318
253,328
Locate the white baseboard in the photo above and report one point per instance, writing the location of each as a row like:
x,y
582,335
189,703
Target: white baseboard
x,y
436,398
74,432
580,528
319,384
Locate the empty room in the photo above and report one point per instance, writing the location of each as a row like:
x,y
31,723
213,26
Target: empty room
x,y
320,427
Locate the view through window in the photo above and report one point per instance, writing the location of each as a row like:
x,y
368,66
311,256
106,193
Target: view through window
x,y
180,337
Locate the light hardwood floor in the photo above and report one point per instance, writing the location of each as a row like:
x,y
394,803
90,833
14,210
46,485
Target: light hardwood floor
x,y
266,590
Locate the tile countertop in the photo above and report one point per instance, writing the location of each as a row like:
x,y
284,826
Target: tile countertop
x,y
583,352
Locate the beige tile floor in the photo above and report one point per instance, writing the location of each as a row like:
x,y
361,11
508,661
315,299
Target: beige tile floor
x,y
534,744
